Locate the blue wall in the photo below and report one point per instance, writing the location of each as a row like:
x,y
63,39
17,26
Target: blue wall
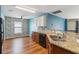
x,y
31,25
55,22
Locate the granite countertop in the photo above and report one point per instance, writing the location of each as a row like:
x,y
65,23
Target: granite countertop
x,y
69,42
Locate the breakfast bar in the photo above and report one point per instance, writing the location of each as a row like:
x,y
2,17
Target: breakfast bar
x,y
69,44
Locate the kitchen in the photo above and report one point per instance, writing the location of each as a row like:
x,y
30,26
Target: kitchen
x,y
54,29
58,41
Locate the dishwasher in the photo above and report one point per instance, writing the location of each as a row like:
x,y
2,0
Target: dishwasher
x,y
42,40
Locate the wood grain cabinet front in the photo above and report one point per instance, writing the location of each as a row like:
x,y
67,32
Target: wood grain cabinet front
x,y
53,49
39,38
60,50
35,37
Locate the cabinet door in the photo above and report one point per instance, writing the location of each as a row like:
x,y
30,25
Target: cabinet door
x,y
35,36
41,21
59,50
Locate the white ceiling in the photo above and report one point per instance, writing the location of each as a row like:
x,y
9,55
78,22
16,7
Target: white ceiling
x,y
68,11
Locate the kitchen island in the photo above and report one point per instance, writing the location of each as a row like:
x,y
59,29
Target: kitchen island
x,y
69,45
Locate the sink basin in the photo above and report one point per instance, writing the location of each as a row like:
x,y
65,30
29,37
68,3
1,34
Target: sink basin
x,y
56,38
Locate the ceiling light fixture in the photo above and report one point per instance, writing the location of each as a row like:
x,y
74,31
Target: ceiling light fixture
x,y
26,9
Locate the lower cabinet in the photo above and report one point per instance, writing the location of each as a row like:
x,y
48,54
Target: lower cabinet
x,y
53,49
39,38
59,50
35,37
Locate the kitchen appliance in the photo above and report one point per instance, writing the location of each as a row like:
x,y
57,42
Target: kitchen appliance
x,y
76,26
1,35
42,40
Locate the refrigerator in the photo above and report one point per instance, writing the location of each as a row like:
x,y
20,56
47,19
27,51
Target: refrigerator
x,y
1,35
77,26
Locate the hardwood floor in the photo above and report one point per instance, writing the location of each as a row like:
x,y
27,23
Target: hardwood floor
x,y
23,45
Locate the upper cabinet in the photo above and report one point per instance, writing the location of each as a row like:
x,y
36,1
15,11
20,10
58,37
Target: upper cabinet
x,y
36,22
41,21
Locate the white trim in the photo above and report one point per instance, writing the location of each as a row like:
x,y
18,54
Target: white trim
x,y
16,36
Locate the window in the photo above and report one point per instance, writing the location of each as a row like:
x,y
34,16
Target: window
x,y
17,27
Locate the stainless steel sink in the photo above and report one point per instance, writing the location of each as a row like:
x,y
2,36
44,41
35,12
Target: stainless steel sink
x,y
56,38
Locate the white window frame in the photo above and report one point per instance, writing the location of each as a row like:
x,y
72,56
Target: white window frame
x,y
17,27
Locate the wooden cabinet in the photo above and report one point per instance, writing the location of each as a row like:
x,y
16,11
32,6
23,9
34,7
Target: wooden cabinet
x,y
39,38
59,50
35,37
53,49
42,20
48,45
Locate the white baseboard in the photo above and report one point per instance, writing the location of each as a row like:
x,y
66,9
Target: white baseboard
x,y
15,37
